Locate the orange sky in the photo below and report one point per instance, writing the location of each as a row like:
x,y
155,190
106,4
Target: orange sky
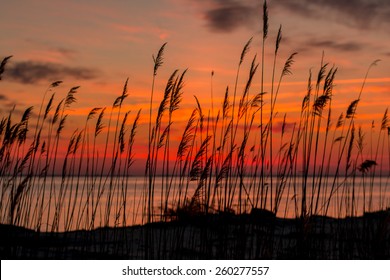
x,y
96,45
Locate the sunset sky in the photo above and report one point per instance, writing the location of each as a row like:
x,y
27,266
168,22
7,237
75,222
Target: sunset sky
x,y
98,44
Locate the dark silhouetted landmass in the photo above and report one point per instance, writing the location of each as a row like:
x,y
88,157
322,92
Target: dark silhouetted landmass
x,y
258,235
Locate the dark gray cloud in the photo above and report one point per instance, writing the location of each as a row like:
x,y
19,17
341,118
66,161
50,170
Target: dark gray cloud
x,y
362,14
3,97
30,72
229,15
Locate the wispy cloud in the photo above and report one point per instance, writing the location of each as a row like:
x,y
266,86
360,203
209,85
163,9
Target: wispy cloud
x,y
339,46
53,51
65,52
30,72
136,33
283,127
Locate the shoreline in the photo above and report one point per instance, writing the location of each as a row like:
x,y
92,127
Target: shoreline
x,y
258,235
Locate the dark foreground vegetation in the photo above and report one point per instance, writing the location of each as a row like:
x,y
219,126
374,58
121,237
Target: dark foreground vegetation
x,y
258,235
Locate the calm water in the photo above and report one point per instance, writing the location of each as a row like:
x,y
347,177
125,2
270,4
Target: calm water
x,y
86,202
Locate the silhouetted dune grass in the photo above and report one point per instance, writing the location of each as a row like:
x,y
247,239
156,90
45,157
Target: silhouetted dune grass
x,y
231,187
